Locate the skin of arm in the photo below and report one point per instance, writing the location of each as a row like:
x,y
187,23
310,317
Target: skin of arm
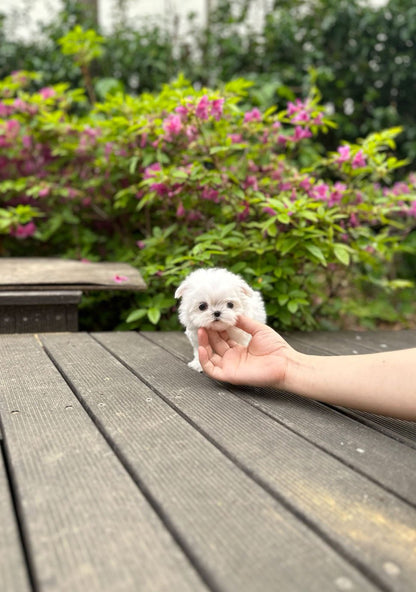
x,y
382,383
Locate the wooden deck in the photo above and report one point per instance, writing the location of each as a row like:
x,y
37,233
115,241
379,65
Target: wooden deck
x,y
124,470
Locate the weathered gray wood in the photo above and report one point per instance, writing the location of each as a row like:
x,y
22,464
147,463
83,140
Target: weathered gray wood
x,y
357,516
19,273
238,534
174,342
88,525
33,312
13,569
388,462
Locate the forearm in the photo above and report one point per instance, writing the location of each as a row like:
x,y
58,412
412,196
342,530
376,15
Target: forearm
x,y
383,383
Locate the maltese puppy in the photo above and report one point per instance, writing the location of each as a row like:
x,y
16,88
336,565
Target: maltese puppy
x,y
214,298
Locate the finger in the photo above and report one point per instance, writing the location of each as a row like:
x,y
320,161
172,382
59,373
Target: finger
x,y
203,337
249,325
204,357
218,342
211,364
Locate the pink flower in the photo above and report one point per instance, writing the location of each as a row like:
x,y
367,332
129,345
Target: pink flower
x,y
4,110
344,154
152,170
182,110
321,191
44,192
172,125
27,141
337,193
318,119
354,220
194,216
180,212
201,110
47,92
236,138
301,116
412,209
253,115
191,132
20,105
12,127
400,188
293,108
301,133
160,188
210,194
119,279
141,244
305,184
108,149
24,230
244,214
217,108
359,160
251,181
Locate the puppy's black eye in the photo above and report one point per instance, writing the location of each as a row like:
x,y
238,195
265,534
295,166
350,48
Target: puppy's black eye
x,y
203,306
230,305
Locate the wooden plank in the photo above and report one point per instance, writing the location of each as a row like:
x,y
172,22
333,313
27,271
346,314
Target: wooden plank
x,y
389,463
19,273
243,538
371,526
88,525
174,342
13,570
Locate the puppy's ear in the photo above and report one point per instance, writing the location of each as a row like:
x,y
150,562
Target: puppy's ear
x,y
245,288
181,289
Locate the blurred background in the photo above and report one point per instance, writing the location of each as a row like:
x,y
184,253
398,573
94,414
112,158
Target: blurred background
x,y
354,57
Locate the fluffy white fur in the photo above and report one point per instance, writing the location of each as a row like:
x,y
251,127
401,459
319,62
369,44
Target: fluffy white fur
x,y
214,298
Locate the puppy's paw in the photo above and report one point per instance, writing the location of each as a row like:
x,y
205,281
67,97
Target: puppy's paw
x,y
195,365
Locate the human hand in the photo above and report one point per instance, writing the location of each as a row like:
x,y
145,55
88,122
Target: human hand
x,y
262,362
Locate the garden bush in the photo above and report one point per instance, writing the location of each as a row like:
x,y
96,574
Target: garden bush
x,y
186,178
361,57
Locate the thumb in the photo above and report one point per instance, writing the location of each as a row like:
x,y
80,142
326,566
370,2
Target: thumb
x,y
249,325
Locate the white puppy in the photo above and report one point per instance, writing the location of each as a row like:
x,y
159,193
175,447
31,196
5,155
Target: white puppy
x,y
214,298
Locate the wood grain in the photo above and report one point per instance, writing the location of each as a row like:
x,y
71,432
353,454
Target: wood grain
x,y
241,536
88,525
19,273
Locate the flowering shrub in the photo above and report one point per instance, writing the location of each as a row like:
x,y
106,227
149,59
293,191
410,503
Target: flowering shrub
x,y
186,178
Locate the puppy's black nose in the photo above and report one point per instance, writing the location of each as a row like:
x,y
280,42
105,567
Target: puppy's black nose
x,y
217,313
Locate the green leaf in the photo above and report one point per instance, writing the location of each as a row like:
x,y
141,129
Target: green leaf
x,y
136,315
283,218
293,307
316,252
341,252
153,314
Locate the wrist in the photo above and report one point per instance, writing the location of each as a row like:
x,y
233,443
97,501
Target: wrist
x,y
298,373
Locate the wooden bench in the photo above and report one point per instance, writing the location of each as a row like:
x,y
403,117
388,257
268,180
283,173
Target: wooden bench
x,y
42,294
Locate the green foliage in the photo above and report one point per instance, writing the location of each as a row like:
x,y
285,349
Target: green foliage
x,y
185,178
83,45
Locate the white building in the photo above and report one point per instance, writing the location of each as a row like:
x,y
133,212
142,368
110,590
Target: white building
x,y
23,16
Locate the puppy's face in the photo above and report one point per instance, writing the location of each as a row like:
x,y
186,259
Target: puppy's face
x,y
211,300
